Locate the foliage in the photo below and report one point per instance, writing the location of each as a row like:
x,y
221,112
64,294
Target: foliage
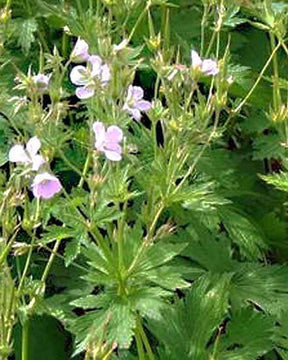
x,y
143,225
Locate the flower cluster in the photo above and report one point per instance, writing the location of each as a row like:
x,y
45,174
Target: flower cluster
x,y
88,78
45,185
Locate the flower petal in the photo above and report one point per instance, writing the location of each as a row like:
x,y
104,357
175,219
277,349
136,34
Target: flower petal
x,y
114,134
143,105
80,52
195,59
112,155
84,93
105,74
78,75
33,146
99,131
18,154
136,92
210,67
45,185
94,63
135,113
37,161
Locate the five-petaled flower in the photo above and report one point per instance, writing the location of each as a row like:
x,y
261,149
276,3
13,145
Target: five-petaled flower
x,y
206,66
87,78
134,103
41,81
29,155
45,185
80,52
107,141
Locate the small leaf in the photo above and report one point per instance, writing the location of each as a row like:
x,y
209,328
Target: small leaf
x,y
72,250
26,34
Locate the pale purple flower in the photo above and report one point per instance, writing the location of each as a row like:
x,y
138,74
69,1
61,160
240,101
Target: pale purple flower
x,y
80,52
134,103
29,155
41,81
107,141
87,78
45,185
206,66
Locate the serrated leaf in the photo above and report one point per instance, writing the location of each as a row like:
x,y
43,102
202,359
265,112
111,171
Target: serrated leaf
x,y
72,250
26,34
243,232
240,344
280,180
208,296
54,232
157,255
268,147
121,325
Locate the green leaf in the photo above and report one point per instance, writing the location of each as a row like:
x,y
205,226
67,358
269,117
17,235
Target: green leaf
x,y
264,286
243,232
185,328
157,255
54,232
26,34
240,344
121,325
72,250
268,147
280,180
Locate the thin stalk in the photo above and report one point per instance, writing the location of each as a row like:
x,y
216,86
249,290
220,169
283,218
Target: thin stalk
x,y
63,258
139,344
192,167
258,79
31,247
145,340
85,169
276,89
140,18
203,22
50,261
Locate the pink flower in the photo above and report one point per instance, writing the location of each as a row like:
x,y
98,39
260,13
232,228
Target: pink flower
x,y
206,66
88,77
80,52
107,141
134,103
29,155
41,81
45,185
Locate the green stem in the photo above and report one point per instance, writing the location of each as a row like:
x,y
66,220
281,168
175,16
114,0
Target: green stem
x,y
85,169
50,261
140,18
25,339
31,247
258,79
192,167
145,340
276,89
139,344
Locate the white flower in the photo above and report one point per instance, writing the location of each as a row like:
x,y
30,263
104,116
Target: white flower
x,y
29,155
